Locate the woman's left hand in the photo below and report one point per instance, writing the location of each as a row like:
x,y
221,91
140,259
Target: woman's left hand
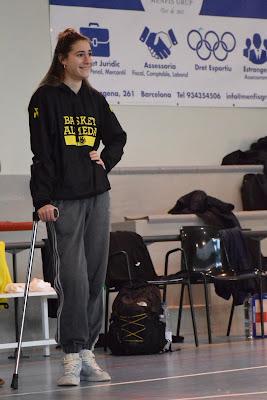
x,y
96,157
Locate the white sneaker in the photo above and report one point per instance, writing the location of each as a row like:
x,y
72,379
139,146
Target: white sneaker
x,y
72,368
91,371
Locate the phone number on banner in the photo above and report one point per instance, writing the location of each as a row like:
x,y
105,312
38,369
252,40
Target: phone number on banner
x,y
200,95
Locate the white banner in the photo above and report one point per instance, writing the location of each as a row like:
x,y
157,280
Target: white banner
x,y
172,52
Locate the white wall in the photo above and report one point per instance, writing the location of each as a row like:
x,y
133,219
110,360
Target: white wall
x,y
156,135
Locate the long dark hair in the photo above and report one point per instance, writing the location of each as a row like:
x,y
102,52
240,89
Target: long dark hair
x,y
66,40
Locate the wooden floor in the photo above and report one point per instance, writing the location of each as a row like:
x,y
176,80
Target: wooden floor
x,y
234,369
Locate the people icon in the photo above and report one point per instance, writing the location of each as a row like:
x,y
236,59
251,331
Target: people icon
x,y
254,49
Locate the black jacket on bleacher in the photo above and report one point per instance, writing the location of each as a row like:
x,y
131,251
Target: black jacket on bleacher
x,y
257,154
212,211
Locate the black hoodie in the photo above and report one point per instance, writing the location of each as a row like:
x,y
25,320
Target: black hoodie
x,y
64,127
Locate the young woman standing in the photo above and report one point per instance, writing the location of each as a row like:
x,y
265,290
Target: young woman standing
x,y
68,120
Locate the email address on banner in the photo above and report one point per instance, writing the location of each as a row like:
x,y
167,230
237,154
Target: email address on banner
x,y
240,96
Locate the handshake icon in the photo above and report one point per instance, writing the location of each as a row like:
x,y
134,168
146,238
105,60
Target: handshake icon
x,y
158,43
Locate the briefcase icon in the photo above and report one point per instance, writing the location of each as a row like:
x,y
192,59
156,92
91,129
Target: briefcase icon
x,y
99,39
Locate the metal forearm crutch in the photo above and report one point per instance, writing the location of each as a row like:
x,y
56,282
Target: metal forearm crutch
x,y
14,383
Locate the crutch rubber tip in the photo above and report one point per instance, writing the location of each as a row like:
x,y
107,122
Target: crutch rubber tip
x,y
15,381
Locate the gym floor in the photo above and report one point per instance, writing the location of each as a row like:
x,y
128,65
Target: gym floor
x,y
226,369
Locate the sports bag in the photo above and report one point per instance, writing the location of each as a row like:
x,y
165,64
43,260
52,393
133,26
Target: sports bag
x,y
135,323
254,192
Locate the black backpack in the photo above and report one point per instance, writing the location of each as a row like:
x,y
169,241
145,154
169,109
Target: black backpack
x,y
135,324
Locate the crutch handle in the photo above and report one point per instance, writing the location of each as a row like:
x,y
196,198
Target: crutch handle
x,y
35,216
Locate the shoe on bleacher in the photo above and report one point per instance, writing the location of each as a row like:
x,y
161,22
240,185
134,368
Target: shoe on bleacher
x,y
72,364
91,371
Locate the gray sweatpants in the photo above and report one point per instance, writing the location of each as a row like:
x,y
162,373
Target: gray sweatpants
x,y
81,243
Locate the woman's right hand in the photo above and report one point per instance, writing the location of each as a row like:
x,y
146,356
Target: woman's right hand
x,y
47,213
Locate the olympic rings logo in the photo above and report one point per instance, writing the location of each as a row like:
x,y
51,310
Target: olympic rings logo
x,y
211,44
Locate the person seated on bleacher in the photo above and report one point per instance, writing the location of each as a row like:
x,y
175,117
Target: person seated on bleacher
x,y
2,382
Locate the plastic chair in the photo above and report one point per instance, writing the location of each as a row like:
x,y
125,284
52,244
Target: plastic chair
x,y
132,268
205,257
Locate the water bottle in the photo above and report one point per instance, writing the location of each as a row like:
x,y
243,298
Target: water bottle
x,y
166,317
248,318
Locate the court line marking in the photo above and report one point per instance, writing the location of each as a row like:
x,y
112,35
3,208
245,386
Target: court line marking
x,y
221,396
77,388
